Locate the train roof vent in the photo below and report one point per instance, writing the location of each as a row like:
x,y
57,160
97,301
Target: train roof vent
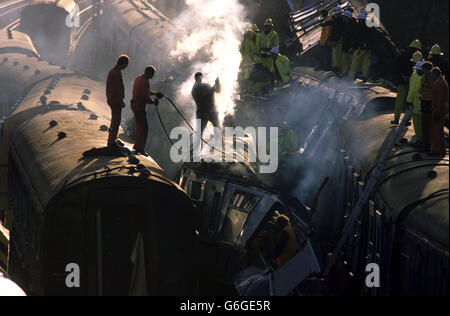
x,y
87,91
133,160
37,72
62,135
10,35
5,59
85,97
80,106
432,174
104,128
93,117
26,67
53,123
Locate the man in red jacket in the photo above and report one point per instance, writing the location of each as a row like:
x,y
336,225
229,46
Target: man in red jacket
x,y
439,108
115,93
141,97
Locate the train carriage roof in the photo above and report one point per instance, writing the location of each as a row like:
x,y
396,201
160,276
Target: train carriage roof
x,y
19,72
13,41
54,164
412,182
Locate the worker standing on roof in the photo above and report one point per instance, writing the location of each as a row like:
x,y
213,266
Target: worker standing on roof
x,y
287,142
438,109
269,39
435,56
426,96
141,97
335,38
402,76
250,49
362,55
281,67
414,97
348,34
203,95
115,95
324,43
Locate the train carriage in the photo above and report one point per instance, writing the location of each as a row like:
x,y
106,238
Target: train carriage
x,y
117,217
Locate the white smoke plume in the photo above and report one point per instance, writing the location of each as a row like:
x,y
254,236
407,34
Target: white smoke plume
x,y
213,31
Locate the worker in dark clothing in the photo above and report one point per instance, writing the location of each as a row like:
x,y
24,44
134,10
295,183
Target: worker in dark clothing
x,y
348,34
362,55
402,75
335,38
115,94
141,97
203,95
438,109
435,56
426,96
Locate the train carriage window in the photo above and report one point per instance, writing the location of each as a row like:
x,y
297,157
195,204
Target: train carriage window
x,y
242,204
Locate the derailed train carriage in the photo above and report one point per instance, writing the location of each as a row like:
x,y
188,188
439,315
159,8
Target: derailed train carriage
x,y
240,249
111,215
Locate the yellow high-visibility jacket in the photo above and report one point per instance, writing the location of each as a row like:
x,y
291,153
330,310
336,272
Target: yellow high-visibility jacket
x,y
415,83
250,47
283,65
268,41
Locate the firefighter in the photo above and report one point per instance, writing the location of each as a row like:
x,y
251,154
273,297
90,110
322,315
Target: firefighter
x,y
426,97
285,242
269,39
438,110
115,94
335,38
287,141
435,56
363,53
281,67
203,95
141,97
348,33
250,50
413,98
403,74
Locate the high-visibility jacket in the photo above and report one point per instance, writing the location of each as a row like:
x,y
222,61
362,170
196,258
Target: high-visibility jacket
x,y
283,68
414,91
250,47
268,41
290,248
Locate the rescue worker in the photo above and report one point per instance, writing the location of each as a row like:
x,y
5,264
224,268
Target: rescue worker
x,y
362,54
402,76
426,96
269,39
347,38
438,109
324,43
435,56
336,24
250,50
203,95
287,141
414,99
141,97
285,242
280,68
115,94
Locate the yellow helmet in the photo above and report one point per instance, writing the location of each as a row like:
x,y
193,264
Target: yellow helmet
x,y
254,28
416,44
436,50
268,22
416,57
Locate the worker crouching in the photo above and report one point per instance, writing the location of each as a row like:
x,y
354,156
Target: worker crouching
x,y
141,97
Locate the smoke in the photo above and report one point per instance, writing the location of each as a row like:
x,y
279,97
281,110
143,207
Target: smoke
x,y
212,33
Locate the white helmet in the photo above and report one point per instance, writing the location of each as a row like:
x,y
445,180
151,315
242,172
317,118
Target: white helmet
x,y
419,65
275,50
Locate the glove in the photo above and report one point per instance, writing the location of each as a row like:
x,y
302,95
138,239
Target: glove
x,y
159,95
156,102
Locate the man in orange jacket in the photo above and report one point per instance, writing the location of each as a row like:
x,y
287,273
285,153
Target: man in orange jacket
x,y
439,107
115,93
141,97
